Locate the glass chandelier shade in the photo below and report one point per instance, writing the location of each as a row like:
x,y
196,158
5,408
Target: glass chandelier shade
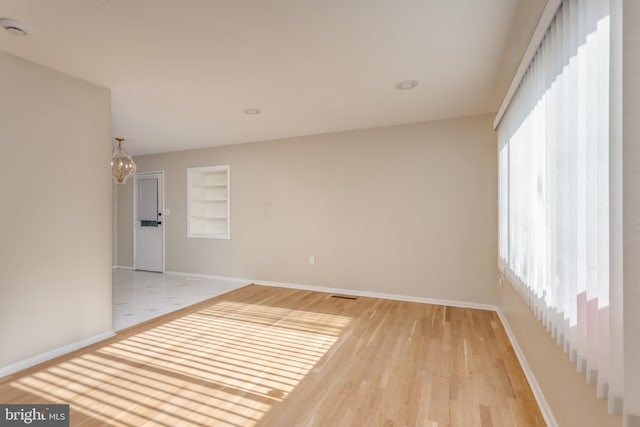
x,y
122,165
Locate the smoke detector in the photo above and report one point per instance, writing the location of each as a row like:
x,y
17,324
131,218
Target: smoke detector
x,y
13,27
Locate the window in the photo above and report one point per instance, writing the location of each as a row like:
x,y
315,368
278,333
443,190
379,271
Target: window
x,y
208,202
553,160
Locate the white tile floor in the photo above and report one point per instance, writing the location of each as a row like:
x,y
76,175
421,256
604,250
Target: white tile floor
x,y
141,295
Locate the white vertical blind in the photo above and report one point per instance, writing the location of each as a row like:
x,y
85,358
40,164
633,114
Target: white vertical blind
x,y
554,189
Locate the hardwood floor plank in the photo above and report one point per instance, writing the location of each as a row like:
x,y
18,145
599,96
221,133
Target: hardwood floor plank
x,y
281,357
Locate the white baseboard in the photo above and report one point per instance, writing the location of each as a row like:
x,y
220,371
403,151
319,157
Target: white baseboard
x,y
450,303
535,387
395,297
121,267
209,276
43,357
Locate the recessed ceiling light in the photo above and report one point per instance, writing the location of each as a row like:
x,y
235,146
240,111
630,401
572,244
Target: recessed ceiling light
x,y
13,27
251,111
406,84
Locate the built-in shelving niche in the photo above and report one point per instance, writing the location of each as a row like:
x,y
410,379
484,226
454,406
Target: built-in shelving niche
x,y
208,199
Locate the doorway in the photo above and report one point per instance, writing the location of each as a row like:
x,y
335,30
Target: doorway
x,y
148,233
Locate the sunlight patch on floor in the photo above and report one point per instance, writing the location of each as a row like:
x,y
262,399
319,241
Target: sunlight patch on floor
x,y
227,364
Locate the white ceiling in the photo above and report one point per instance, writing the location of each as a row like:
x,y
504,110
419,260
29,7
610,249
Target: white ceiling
x,y
182,71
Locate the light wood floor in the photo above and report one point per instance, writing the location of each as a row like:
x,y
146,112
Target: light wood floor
x,y
280,357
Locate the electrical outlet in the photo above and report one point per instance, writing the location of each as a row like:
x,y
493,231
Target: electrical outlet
x,y
167,212
312,260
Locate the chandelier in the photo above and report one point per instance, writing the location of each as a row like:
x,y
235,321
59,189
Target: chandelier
x,y
122,165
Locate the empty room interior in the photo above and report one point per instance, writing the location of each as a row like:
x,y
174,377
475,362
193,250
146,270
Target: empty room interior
x,y
320,213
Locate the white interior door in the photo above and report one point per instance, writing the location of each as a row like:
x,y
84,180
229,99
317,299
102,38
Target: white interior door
x,y
148,228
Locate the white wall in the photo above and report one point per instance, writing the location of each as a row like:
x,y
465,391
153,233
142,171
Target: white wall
x,y
55,221
407,210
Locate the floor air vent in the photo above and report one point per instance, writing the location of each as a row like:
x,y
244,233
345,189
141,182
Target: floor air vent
x,y
344,297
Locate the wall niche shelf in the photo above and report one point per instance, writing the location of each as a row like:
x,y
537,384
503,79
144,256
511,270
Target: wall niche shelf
x,y
208,202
